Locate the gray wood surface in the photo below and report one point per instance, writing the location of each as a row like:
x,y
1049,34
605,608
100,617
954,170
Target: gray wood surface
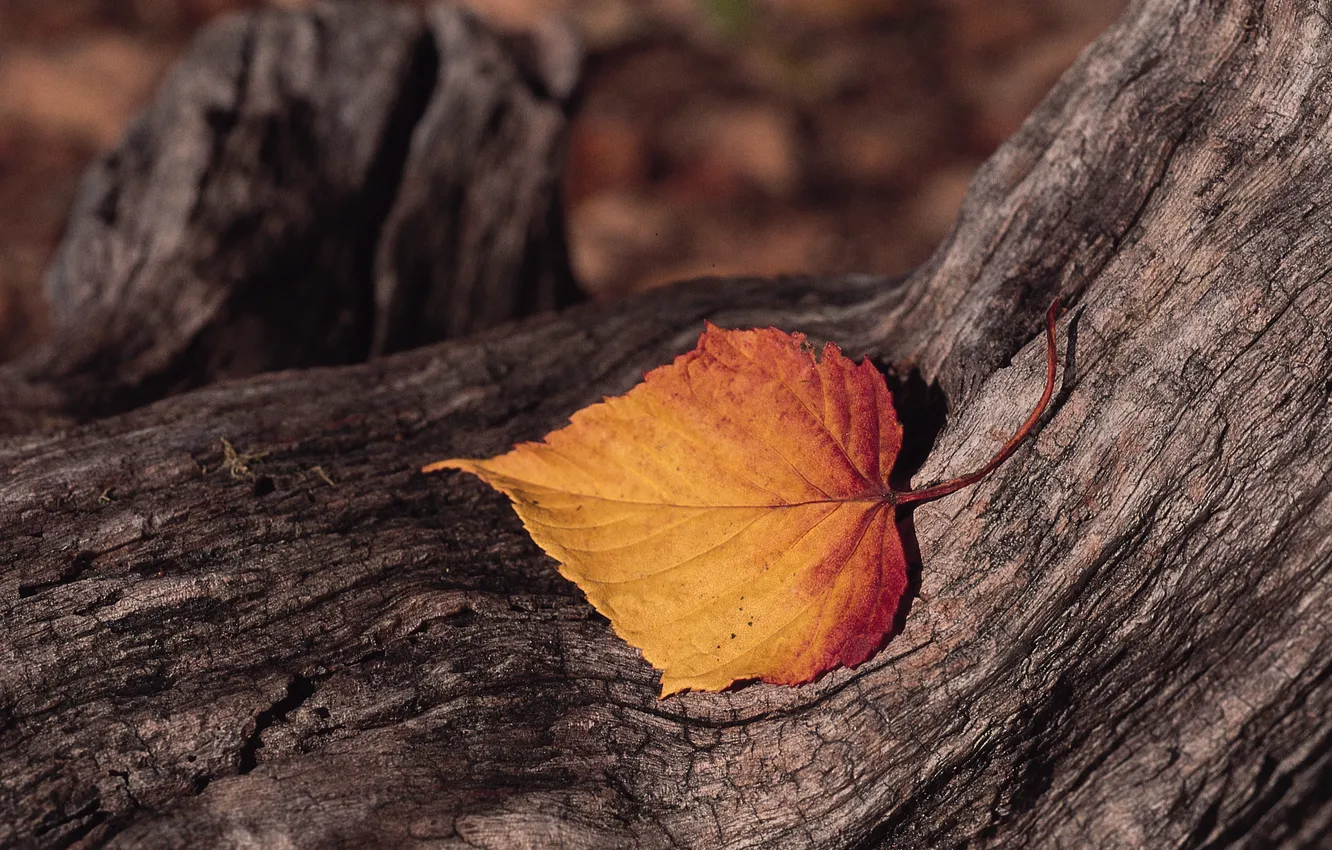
x,y
1121,639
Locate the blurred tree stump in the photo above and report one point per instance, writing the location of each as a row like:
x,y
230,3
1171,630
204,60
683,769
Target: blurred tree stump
x,y
305,190
239,616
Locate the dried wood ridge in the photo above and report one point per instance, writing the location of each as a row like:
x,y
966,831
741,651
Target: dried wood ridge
x,y
1120,639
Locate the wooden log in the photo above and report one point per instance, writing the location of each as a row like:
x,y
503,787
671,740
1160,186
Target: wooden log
x,y
1119,640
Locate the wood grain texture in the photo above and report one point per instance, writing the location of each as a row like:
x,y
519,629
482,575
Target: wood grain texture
x,y
1120,640
475,236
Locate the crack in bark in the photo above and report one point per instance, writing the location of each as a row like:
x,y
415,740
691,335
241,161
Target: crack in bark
x,y
298,692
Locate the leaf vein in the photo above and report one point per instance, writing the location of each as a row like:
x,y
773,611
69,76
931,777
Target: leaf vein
x,y
767,639
817,419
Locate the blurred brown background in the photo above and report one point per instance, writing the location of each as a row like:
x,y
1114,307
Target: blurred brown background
x,y
717,136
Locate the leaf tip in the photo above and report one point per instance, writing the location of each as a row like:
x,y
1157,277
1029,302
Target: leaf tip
x,y
670,687
452,463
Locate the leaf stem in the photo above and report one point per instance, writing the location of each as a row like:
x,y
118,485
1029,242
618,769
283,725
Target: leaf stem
x,y
938,491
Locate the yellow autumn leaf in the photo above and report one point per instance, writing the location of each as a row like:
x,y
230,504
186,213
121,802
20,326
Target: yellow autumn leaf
x,y
731,515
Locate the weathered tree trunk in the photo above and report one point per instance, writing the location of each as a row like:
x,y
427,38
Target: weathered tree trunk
x,y
1119,640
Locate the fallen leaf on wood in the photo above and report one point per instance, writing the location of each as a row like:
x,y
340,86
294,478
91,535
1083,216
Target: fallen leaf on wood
x,y
731,515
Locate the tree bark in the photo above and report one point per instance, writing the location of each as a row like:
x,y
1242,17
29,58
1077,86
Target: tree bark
x,y
1119,640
